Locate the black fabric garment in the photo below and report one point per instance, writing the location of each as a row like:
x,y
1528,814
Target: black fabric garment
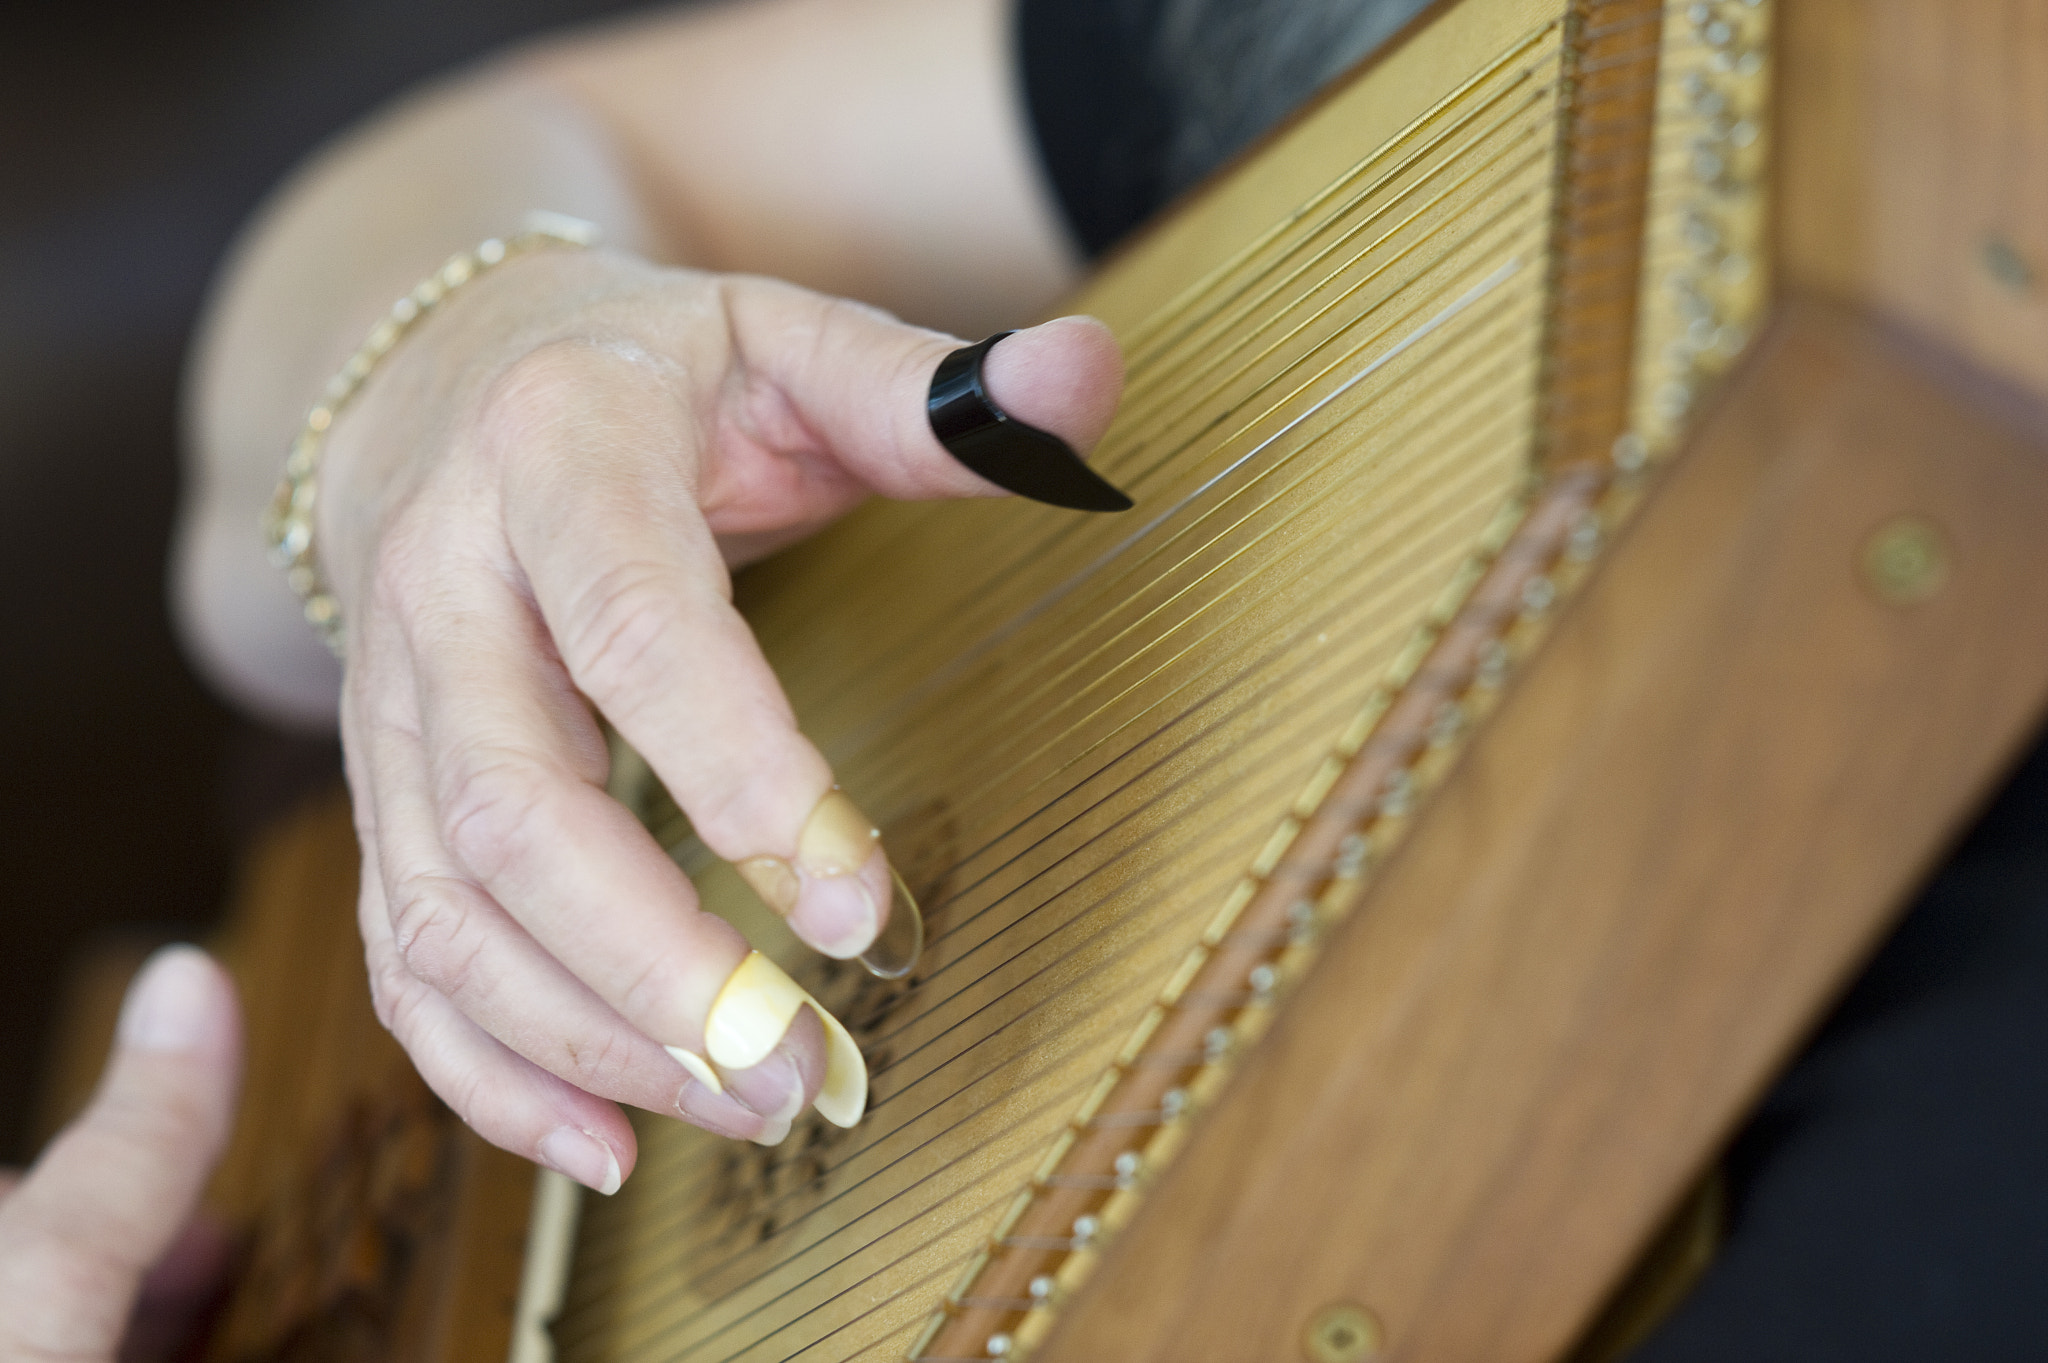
x,y
1102,126
1133,101
1890,1195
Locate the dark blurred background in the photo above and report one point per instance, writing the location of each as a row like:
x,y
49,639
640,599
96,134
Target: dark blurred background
x,y
134,139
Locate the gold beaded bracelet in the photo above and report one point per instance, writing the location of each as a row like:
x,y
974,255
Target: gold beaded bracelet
x,y
288,521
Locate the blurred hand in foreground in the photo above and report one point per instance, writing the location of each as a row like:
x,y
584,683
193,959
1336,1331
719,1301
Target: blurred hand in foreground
x,y
100,1254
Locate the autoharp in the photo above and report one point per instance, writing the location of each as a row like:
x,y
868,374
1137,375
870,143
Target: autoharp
x,y
1586,560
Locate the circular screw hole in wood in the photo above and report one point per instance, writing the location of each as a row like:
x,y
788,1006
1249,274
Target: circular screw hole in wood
x,y
1905,561
1342,1333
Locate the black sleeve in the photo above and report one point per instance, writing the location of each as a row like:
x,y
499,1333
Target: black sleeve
x,y
1133,101
1101,119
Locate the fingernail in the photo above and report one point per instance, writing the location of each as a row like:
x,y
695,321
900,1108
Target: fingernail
x,y
582,1157
836,914
775,1133
754,1011
169,1006
894,952
699,1068
718,1113
832,896
774,1088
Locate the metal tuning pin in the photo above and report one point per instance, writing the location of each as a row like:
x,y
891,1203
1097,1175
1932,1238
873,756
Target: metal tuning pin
x,y
1025,460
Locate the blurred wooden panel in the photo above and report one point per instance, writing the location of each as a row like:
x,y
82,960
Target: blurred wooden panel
x,y
1656,866
1913,167
379,1227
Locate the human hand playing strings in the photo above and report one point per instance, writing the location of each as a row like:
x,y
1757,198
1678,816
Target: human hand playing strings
x,y
100,1254
529,512
528,522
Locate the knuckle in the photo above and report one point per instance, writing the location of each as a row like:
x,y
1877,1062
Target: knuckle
x,y
495,805
543,389
618,629
400,1002
395,995
434,926
650,995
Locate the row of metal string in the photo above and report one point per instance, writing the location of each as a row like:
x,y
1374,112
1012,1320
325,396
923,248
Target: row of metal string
x,y
1053,667
1421,513
885,1136
1678,130
1083,682
1321,725
1313,725
1106,584
1316,724
1005,560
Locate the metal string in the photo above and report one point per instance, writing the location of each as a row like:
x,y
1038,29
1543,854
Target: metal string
x,y
892,715
877,1142
991,972
1141,369
1270,681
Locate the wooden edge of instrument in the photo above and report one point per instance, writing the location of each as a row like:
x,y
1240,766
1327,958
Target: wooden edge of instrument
x,y
1697,836
371,1218
1092,1179
1609,118
1354,811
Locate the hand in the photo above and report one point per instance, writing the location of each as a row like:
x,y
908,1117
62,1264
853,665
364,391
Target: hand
x,y
531,512
106,1215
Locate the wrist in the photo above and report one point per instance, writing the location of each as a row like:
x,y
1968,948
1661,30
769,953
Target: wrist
x,y
291,520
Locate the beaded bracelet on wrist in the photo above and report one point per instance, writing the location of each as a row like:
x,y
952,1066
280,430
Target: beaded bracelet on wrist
x,y
288,521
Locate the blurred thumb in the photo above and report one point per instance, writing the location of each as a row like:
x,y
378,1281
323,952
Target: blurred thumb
x,y
113,1190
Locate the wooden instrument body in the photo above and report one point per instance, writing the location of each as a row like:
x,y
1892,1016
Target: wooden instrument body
x,y
1628,897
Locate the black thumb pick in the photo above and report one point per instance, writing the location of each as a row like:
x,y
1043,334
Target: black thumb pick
x,y
1027,461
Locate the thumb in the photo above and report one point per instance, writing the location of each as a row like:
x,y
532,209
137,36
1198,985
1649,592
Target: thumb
x,y
860,380
114,1189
